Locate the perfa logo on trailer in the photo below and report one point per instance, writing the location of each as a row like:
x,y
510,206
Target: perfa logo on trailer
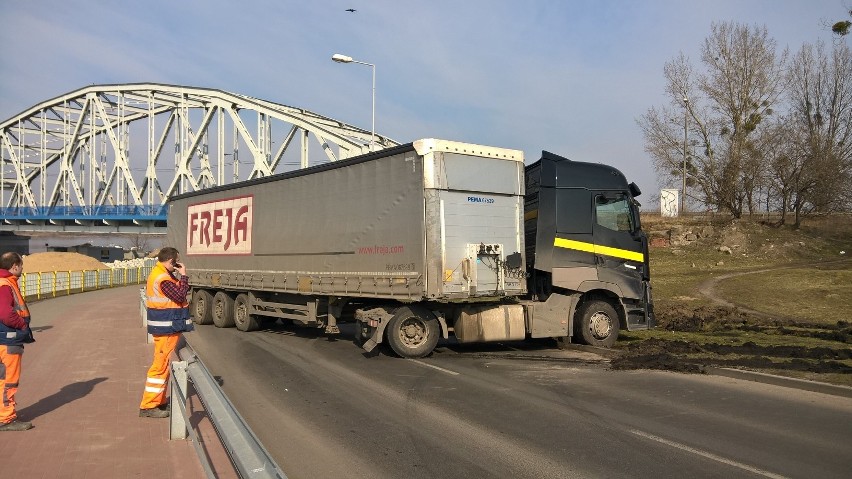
x,y
220,227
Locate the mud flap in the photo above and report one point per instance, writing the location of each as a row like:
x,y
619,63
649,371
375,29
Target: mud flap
x,y
377,319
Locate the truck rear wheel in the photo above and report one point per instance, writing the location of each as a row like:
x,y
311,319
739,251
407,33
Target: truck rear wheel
x,y
242,317
223,310
596,324
413,332
202,306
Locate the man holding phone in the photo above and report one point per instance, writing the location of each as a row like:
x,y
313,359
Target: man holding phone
x,y
168,318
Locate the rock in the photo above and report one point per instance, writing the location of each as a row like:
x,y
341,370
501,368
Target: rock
x,y
720,263
659,242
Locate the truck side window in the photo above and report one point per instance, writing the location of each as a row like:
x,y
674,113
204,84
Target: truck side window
x,y
614,213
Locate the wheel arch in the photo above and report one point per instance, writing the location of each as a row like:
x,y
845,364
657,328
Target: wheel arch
x,y
609,292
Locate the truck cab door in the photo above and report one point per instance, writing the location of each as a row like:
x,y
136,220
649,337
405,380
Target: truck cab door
x,y
619,243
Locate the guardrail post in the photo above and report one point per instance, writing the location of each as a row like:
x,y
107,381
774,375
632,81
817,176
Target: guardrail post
x,y
177,402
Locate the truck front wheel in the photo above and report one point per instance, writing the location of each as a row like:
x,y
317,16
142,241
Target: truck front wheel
x,y
413,332
596,324
223,310
242,314
202,306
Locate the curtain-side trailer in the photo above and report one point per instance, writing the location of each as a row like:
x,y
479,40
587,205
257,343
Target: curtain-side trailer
x,y
418,242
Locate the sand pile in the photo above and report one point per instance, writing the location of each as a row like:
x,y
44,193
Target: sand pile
x,y
56,261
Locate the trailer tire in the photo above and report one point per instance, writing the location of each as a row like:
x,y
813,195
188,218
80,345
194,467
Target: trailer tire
x,y
243,318
223,310
202,307
596,324
413,332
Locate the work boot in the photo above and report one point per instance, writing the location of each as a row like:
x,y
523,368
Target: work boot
x,y
15,425
154,412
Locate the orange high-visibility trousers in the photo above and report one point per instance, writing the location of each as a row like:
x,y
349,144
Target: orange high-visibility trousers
x,y
10,374
158,373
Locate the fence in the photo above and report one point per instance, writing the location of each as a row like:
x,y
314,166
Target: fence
x,y
51,284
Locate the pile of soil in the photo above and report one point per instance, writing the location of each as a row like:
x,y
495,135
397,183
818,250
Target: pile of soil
x,y
691,357
56,261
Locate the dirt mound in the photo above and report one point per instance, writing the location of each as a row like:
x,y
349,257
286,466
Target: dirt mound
x,y
56,261
691,357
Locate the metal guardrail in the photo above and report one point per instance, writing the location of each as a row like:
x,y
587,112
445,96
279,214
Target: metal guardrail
x,y
247,454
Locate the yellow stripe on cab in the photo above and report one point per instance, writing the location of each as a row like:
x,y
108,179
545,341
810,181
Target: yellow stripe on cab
x,y
598,249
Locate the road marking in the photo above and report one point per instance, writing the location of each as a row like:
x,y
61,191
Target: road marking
x,y
708,455
434,367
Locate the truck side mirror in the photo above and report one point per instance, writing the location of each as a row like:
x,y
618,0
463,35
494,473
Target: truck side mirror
x,y
634,190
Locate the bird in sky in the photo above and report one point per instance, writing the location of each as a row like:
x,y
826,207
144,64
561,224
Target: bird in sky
x,y
351,10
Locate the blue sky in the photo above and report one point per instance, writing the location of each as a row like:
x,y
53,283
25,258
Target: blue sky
x,y
571,77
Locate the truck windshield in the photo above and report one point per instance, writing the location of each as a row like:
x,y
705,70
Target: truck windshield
x,y
614,213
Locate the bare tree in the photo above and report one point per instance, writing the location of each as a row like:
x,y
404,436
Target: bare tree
x,y
821,116
743,82
139,242
724,104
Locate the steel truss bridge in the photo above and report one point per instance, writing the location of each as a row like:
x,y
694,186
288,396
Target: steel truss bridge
x,y
106,158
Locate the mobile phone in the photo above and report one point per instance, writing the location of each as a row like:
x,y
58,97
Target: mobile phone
x,y
178,265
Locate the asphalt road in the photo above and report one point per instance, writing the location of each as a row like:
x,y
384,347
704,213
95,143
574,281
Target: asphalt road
x,y
325,409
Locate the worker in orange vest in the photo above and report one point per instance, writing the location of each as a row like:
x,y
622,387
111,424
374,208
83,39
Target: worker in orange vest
x,y
14,333
168,317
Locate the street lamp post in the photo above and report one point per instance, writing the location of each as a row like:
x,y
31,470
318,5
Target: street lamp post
x,y
346,59
683,185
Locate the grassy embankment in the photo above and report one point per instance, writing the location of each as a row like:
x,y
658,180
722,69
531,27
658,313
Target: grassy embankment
x,y
778,303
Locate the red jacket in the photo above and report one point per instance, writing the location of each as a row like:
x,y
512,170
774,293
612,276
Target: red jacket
x,y
8,316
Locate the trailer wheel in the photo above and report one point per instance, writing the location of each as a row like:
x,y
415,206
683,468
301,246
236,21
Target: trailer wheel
x,y
223,310
596,324
242,317
202,306
413,332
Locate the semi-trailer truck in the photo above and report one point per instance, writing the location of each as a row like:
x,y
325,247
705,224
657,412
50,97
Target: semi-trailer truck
x,y
420,242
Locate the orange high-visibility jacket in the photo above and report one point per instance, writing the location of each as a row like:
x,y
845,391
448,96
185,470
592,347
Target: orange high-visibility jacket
x,y
10,336
165,316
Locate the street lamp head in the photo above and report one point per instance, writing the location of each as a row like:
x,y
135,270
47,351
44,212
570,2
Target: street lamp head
x,y
337,57
685,100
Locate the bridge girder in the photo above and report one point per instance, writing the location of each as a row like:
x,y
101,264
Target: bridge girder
x,y
106,145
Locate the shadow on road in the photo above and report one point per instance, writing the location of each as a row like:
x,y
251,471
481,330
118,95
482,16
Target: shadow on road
x,y
58,399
